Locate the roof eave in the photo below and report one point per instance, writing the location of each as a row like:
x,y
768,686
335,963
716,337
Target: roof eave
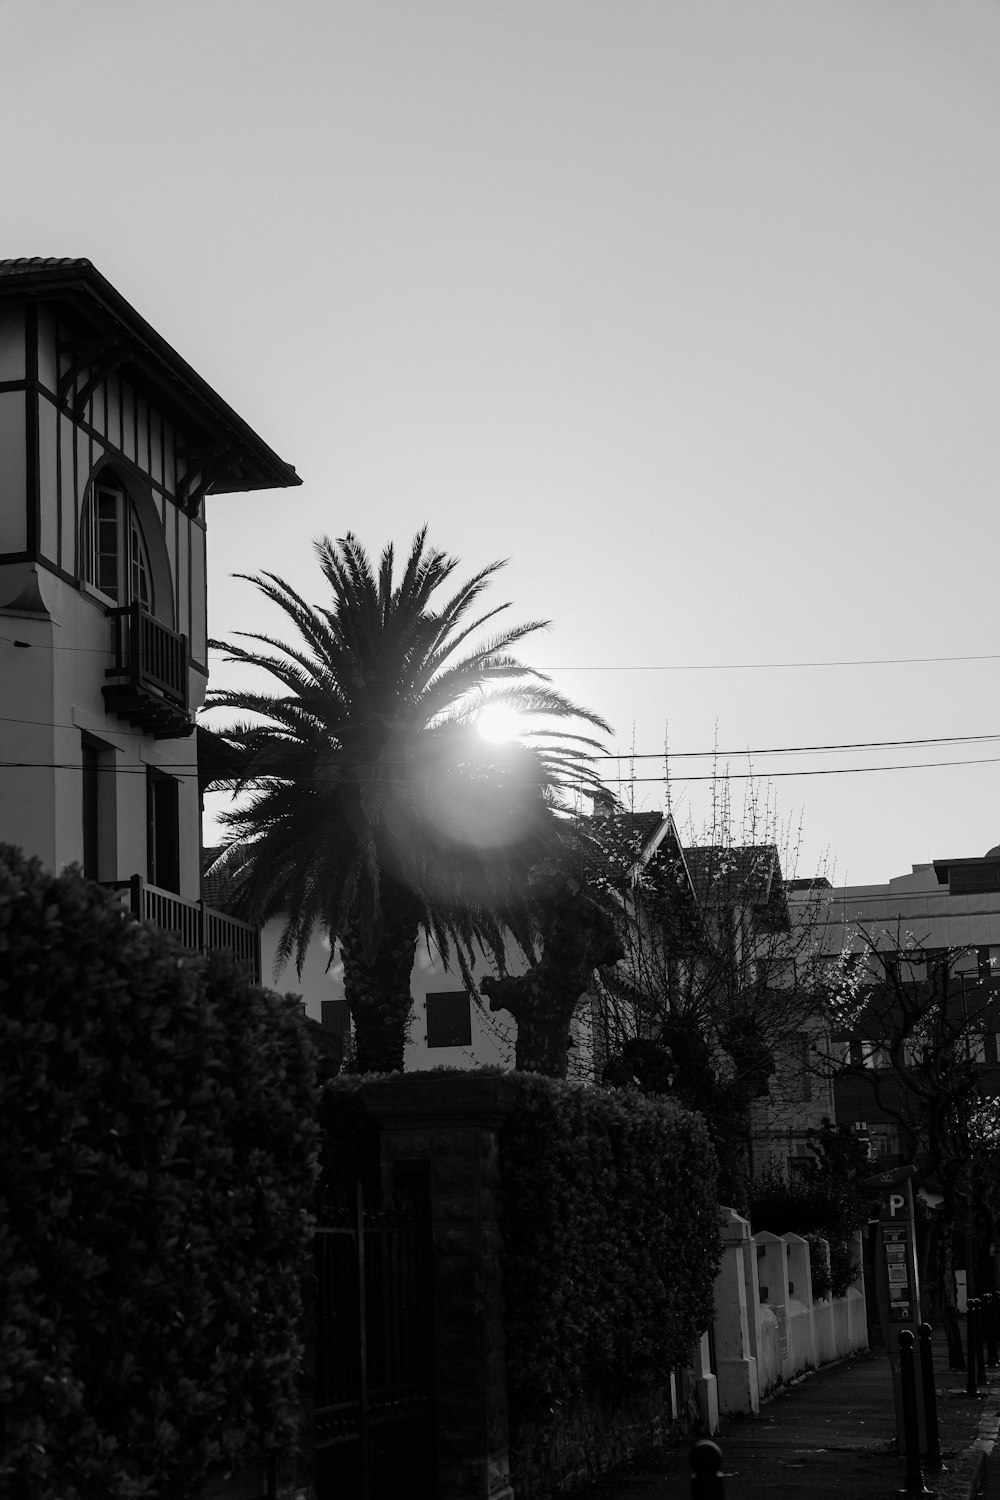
x,y
255,465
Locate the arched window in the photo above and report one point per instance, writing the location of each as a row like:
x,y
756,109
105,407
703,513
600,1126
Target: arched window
x,y
115,558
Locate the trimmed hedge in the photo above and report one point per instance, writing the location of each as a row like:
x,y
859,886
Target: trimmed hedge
x,y
157,1162
815,1211
611,1231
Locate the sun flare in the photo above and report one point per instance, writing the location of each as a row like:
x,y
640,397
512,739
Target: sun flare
x,y
498,722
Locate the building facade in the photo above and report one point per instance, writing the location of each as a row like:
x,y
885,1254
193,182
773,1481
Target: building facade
x,y
933,930
109,446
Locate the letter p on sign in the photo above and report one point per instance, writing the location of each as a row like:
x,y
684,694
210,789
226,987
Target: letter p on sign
x,y
897,1202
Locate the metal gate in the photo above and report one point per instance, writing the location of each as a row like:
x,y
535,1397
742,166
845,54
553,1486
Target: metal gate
x,y
374,1358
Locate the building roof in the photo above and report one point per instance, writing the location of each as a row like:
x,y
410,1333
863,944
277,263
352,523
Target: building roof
x,y
942,866
741,875
637,828
237,459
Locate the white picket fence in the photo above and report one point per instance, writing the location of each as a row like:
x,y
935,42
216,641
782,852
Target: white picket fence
x,y
768,1329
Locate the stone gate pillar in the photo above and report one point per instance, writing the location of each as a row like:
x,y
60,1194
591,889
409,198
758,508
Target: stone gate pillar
x,y
441,1132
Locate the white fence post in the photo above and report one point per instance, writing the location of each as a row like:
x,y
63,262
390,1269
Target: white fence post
x,y
736,1365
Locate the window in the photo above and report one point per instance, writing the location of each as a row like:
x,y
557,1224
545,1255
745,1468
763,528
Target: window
x,y
336,1017
91,808
98,807
975,1047
115,557
163,864
449,1019
884,1141
875,1055
988,963
913,1051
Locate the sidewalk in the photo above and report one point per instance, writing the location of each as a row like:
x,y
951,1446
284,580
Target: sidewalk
x,y
829,1434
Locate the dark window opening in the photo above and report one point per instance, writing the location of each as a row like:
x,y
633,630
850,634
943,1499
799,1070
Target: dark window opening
x,y
97,807
163,861
336,1017
91,808
449,1019
969,880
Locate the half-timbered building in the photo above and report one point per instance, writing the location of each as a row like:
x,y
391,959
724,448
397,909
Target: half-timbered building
x,y
109,445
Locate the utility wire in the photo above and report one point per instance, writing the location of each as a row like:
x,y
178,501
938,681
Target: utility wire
x,y
663,755
669,755
929,765
711,666
775,666
180,769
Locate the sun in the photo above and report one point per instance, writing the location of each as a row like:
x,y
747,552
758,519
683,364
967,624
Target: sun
x,y
498,722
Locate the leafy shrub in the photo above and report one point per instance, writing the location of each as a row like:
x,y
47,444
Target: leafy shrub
x,y
157,1146
812,1208
826,1201
820,1265
611,1238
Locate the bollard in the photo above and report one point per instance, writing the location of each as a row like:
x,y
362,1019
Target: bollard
x,y
971,1319
930,1396
990,1319
982,1314
914,1481
706,1471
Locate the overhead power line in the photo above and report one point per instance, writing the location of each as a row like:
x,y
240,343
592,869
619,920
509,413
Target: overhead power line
x,y
669,755
183,770
776,666
662,755
929,765
687,666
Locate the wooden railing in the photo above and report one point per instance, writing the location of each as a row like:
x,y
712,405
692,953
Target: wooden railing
x,y
149,677
196,926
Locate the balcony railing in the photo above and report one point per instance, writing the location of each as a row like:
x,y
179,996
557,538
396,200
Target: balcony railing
x,y
149,684
196,926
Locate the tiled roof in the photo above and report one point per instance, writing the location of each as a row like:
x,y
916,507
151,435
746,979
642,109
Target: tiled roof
x,y
636,827
43,263
742,875
217,885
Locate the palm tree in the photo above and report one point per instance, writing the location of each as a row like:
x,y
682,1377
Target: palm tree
x,y
372,809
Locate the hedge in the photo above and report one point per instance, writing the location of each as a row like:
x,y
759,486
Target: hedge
x,y
157,1161
812,1209
611,1233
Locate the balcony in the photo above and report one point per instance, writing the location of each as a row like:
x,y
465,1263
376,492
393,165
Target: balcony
x,y
195,925
149,686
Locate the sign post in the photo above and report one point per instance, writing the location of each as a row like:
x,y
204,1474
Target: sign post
x,y
897,1286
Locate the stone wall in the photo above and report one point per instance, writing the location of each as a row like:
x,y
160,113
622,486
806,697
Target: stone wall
x,y
589,1437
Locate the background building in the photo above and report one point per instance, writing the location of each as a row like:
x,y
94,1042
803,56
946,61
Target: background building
x,y
938,925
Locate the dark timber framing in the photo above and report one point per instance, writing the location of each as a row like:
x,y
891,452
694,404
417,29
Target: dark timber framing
x,y
84,301
33,496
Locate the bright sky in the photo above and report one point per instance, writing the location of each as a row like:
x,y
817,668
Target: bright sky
x,y
691,308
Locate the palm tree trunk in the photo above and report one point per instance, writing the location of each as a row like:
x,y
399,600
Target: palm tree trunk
x,y
377,983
